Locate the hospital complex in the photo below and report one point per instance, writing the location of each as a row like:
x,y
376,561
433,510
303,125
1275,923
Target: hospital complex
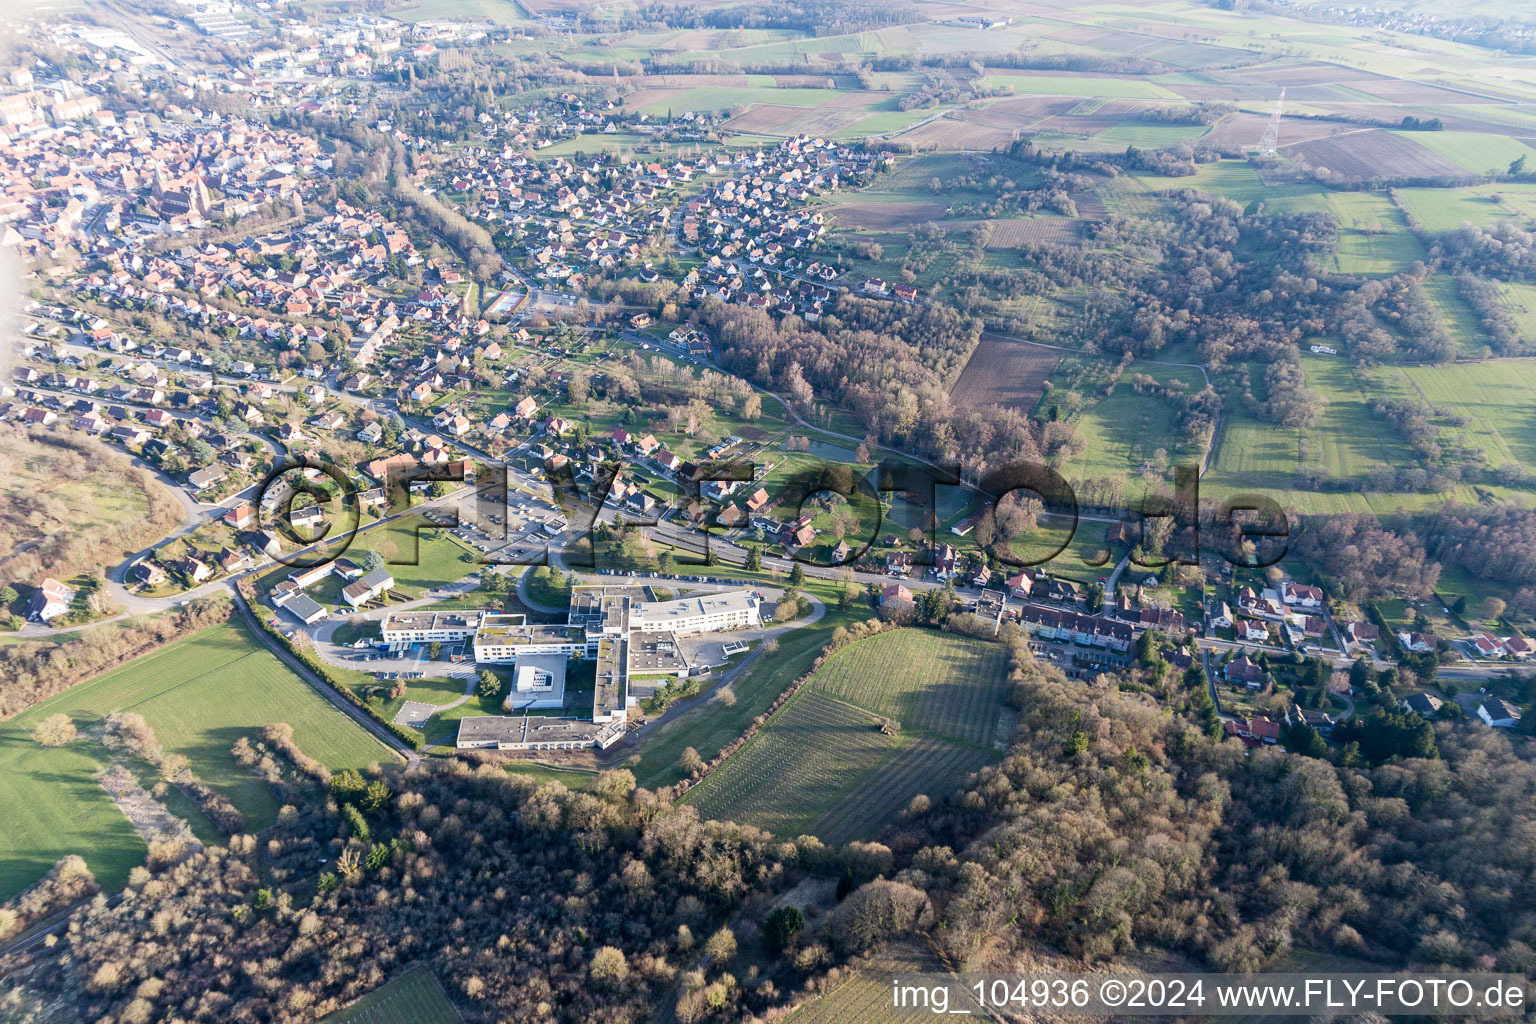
x,y
618,627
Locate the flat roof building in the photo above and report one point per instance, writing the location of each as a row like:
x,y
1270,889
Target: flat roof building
x,y
538,681
619,627
708,613
304,608
499,644
535,732
425,627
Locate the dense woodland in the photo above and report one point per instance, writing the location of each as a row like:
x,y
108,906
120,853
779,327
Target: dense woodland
x,y
1111,823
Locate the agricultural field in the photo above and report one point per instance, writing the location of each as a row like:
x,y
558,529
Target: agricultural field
x,y
1012,232
1494,398
865,996
199,694
1122,432
1346,441
1374,240
1044,84
1150,136
1518,299
702,98
415,997
502,12
1372,153
1238,181
1461,323
712,724
1442,209
823,765
1006,373
1477,152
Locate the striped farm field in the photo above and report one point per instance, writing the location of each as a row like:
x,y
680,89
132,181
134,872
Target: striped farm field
x,y
413,998
822,766
865,997
803,762
883,794
941,684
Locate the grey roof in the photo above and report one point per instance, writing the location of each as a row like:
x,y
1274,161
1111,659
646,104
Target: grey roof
x,y
1498,710
304,606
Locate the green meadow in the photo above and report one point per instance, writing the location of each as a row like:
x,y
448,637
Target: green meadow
x,y
200,695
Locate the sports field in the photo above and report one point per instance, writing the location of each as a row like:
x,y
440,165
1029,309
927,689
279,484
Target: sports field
x,y
199,694
822,765
413,998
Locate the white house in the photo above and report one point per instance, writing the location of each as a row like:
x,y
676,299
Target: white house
x,y
1498,715
367,587
51,600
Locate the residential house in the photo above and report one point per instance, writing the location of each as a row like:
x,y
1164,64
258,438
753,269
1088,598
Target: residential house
x,y
1486,645
240,516
1425,705
51,600
1061,590
202,479
1244,670
1252,631
1264,729
1361,634
307,517
1021,583
1301,596
1164,620
1520,648
1497,714
234,560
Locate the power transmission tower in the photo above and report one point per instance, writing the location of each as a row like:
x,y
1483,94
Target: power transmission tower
x,y
1272,132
